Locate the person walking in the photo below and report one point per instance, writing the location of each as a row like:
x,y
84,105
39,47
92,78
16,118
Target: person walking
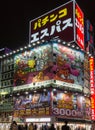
x,y
25,126
52,127
65,126
31,126
14,126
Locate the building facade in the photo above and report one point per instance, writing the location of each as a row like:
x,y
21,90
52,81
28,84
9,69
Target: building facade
x,y
51,79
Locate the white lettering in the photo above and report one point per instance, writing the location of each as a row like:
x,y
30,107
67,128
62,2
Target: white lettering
x,y
58,27
67,112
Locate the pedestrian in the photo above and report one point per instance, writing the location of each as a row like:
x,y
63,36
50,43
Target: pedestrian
x,y
35,127
31,127
25,126
65,126
52,127
14,126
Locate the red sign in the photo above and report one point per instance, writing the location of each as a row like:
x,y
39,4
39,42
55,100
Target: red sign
x,y
79,21
56,23
92,89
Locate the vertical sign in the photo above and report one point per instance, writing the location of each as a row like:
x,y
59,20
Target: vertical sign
x,y
79,21
89,31
89,37
91,61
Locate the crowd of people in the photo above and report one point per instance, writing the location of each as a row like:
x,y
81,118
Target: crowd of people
x,y
31,126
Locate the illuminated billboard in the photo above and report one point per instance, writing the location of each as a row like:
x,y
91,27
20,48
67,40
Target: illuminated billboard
x,y
70,105
52,102
32,104
92,87
33,65
47,62
69,64
79,22
65,22
58,22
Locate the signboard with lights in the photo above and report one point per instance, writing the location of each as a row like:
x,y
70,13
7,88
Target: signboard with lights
x,y
70,105
38,119
79,22
33,65
92,88
69,63
56,23
32,104
65,22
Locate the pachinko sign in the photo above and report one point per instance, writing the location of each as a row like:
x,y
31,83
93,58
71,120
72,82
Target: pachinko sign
x,y
58,22
65,22
79,22
92,88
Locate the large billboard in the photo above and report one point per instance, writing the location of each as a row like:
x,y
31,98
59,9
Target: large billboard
x,y
65,22
68,64
52,102
47,62
33,65
32,104
70,105
56,23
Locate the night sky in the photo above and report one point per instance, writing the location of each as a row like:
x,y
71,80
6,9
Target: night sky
x,y
15,17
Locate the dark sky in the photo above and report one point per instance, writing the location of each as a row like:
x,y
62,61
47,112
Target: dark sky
x,y
15,17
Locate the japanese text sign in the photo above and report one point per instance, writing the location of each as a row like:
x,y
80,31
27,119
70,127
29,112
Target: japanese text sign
x,y
91,61
56,23
79,22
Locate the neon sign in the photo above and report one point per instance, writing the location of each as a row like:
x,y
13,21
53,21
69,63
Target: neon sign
x,y
58,22
79,21
92,89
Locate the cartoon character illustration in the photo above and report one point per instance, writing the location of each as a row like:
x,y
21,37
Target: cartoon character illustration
x,y
40,77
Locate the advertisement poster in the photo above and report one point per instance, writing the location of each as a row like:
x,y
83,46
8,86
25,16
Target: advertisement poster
x,y
68,64
33,65
35,104
86,75
70,105
49,61
87,108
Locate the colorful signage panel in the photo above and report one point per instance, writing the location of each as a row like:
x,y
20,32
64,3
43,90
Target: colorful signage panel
x,y
64,20
39,65
56,23
34,104
55,102
86,74
33,65
92,87
69,105
68,65
79,22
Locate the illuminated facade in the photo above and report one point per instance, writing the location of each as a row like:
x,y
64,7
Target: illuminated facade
x,y
52,77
